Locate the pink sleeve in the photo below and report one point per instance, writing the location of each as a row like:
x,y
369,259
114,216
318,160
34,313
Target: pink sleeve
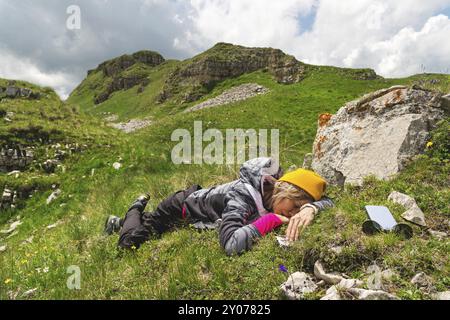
x,y
267,223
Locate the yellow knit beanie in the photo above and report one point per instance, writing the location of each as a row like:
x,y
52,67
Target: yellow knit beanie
x,y
307,180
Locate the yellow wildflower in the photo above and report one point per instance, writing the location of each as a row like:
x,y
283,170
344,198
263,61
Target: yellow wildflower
x,y
8,280
429,144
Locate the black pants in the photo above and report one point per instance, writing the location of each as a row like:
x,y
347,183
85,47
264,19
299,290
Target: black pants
x,y
139,227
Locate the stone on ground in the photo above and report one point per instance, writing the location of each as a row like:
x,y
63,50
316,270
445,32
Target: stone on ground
x,y
329,278
297,285
413,213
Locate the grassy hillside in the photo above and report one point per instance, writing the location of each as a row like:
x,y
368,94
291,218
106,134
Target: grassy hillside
x,y
186,264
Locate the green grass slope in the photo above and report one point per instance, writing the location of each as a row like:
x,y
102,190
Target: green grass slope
x,y
186,264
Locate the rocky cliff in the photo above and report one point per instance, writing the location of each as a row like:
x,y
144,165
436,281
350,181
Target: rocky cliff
x,y
116,75
198,75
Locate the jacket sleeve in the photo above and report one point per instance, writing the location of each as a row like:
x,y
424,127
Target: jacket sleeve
x,y
323,204
235,235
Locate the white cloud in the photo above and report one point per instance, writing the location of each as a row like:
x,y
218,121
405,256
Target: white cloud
x,y
393,37
249,23
16,68
379,34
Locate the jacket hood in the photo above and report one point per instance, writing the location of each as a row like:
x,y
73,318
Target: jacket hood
x,y
255,171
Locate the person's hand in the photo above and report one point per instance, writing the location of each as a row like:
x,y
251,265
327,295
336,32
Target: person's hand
x,y
283,219
298,223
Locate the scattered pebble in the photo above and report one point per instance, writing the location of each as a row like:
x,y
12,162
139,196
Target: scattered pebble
x,y
52,226
12,227
53,196
117,165
29,293
28,240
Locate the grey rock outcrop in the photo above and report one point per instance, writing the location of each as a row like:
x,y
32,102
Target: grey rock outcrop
x,y
223,61
14,92
8,199
50,165
16,158
115,68
376,135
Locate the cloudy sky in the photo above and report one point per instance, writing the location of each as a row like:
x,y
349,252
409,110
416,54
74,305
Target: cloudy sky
x,y
396,38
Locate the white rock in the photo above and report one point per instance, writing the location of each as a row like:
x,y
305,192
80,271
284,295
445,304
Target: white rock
x,y
297,285
349,283
12,227
28,240
29,293
15,172
13,234
437,234
52,226
387,274
337,249
53,196
363,294
442,295
332,294
402,199
283,242
421,280
3,248
329,278
415,215
117,165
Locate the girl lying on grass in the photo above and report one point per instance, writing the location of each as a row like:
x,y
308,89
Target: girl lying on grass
x,y
243,210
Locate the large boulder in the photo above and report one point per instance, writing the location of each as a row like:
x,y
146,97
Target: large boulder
x,y
377,134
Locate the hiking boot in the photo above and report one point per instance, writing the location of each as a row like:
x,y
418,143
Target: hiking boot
x,y
112,225
140,203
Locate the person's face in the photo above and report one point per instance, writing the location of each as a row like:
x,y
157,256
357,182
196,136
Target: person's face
x,y
285,207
